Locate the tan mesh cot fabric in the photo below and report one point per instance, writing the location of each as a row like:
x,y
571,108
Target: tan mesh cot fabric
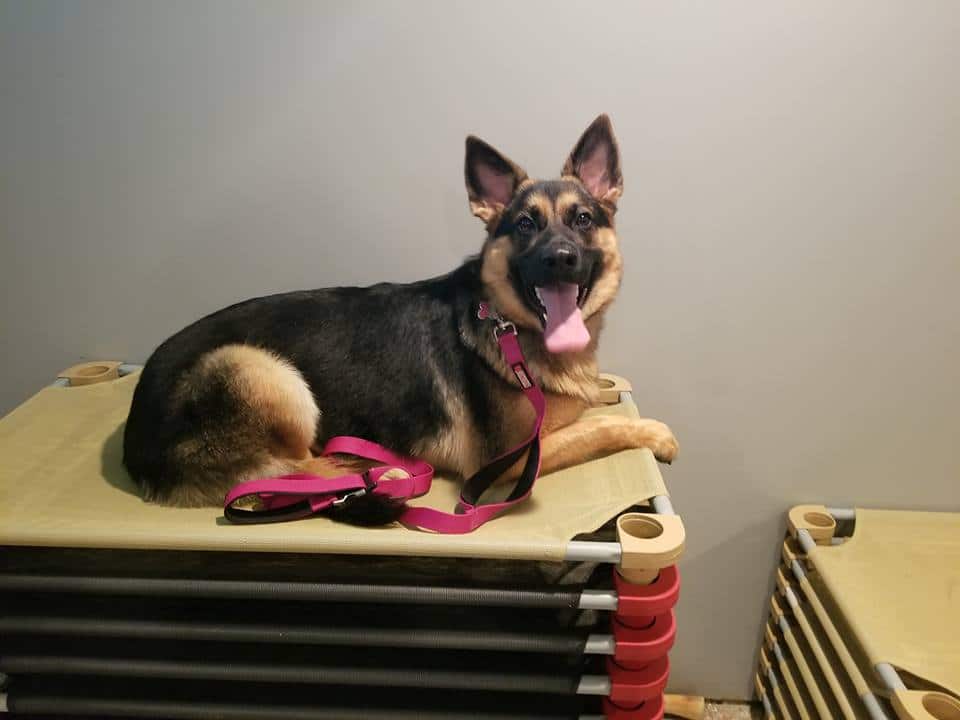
x,y
62,484
897,583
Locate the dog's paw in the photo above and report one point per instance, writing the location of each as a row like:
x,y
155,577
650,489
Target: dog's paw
x,y
661,441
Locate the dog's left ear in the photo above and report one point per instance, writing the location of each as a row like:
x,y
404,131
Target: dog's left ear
x,y
595,161
492,179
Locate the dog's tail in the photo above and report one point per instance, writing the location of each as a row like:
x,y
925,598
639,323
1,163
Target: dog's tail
x,y
367,510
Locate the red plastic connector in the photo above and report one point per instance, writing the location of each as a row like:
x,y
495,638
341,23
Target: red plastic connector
x,y
638,646
644,602
649,710
631,686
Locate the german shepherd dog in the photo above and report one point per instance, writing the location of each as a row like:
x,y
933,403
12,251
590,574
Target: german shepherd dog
x,y
256,389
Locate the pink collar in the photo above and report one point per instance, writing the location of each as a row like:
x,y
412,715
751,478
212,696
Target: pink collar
x,y
290,497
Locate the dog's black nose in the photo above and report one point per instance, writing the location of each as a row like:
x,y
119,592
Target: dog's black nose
x,y
561,255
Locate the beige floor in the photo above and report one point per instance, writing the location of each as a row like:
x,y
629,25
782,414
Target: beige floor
x,y
730,711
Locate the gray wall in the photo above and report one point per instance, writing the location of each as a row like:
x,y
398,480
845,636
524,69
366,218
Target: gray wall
x,y
791,221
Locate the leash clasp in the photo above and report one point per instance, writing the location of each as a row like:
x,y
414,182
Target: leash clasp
x,y
349,496
369,486
504,327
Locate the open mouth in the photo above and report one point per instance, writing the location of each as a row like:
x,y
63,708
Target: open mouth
x,y
535,297
560,309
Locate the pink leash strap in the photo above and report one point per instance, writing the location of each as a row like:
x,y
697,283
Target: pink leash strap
x,y
469,515
290,497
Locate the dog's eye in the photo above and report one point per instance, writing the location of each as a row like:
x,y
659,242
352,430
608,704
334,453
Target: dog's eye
x,y
525,225
584,221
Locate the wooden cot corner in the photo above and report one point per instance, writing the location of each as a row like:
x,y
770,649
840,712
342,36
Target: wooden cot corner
x,y
769,638
765,665
758,686
775,610
648,543
924,705
815,520
88,373
783,585
789,554
611,386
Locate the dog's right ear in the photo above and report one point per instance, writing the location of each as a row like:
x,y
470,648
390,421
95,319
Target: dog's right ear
x,y
492,179
595,161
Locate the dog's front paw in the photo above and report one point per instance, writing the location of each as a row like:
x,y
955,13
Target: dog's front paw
x,y
661,441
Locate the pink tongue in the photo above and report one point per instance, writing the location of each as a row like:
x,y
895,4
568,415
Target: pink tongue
x,y
565,331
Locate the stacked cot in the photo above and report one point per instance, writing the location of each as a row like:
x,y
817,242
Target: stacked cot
x,y
865,618
111,607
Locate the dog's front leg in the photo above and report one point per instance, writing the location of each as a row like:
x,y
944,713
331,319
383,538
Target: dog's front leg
x,y
592,437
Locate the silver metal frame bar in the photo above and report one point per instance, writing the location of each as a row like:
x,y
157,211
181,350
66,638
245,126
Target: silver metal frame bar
x,y
783,624
778,653
598,600
772,679
599,552
874,709
766,705
806,542
594,685
662,504
889,676
600,645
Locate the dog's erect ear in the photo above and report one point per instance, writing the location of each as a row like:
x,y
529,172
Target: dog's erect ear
x,y
492,179
595,161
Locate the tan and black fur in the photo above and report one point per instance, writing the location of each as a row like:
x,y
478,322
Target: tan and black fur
x,y
255,389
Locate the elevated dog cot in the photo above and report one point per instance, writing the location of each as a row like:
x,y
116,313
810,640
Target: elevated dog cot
x,y
112,607
865,619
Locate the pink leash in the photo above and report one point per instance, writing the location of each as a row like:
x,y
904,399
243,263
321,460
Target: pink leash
x,y
291,497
